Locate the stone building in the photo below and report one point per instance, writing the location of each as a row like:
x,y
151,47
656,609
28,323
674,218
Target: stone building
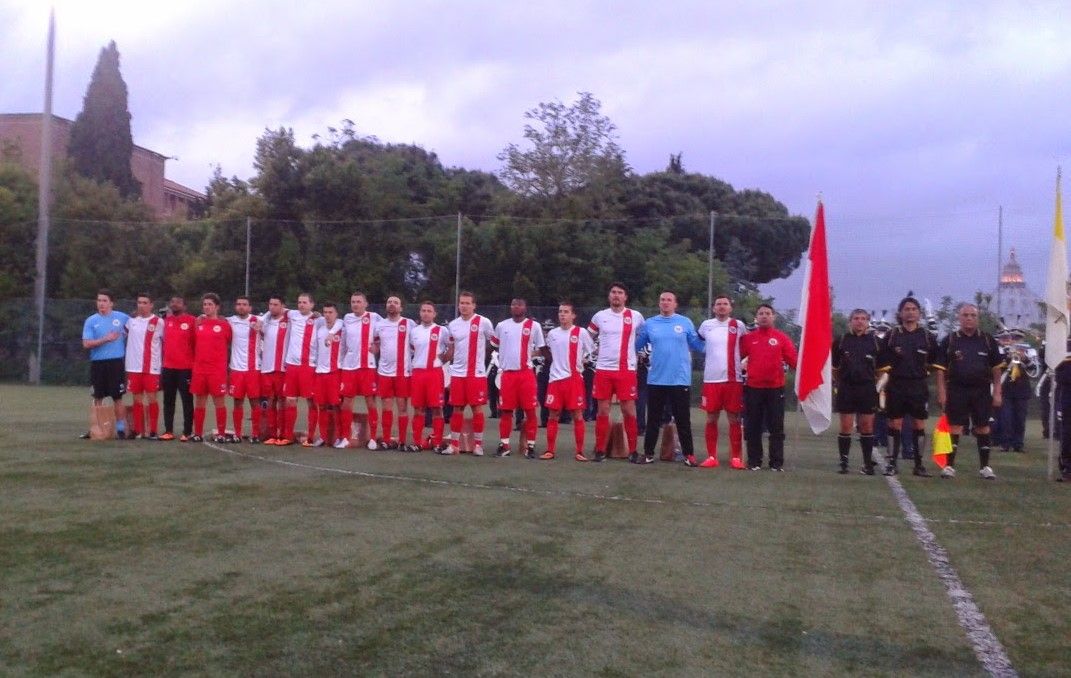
x,y
1013,301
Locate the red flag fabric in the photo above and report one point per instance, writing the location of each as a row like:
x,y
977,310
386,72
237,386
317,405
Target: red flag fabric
x,y
814,380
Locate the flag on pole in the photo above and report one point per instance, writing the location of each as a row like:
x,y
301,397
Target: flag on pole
x,y
1056,290
942,442
814,376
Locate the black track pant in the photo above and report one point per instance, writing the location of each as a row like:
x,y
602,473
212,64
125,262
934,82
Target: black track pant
x,y
764,409
680,402
177,381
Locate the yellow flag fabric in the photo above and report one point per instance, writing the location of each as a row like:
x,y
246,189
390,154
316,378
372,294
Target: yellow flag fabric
x,y
1056,290
942,442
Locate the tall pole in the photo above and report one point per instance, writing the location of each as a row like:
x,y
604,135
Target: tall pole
x,y
710,263
457,264
44,205
1000,260
248,250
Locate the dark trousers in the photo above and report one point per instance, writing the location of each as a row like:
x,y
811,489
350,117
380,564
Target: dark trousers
x,y
1013,423
679,399
174,381
764,408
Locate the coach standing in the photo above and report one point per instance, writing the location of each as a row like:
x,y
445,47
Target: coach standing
x,y
669,379
767,350
180,332
104,335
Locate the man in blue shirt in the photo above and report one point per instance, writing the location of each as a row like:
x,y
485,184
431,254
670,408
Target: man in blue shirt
x,y
671,337
104,335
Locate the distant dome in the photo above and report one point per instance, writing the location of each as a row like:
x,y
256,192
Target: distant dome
x,y
1012,274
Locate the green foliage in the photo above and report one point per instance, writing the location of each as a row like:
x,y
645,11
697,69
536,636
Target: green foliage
x,y
18,231
101,144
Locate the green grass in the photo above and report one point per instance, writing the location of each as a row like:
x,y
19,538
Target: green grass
x,y
165,558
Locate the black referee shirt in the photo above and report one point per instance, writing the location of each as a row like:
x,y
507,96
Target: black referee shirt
x,y
969,358
908,355
855,357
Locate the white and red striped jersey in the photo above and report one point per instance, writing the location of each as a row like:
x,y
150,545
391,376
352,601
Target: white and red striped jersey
x,y
393,338
329,344
276,331
470,338
617,338
144,344
722,351
299,336
246,341
425,337
360,332
515,342
568,348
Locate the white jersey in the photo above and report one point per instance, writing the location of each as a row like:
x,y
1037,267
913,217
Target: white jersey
x,y
617,338
273,350
299,336
568,348
470,338
393,338
360,332
245,342
515,342
144,344
329,344
423,337
722,351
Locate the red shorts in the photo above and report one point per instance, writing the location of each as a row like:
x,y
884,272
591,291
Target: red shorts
x,y
426,387
608,383
392,387
328,388
468,391
727,395
300,381
140,382
271,384
244,385
208,383
518,390
566,394
359,382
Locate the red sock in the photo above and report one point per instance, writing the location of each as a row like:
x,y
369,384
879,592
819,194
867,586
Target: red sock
x,y
254,414
552,432
221,419
403,428
198,421
325,422
736,438
602,431
711,435
457,422
418,428
531,426
477,424
154,415
388,423
373,422
505,424
291,421
273,421
138,417
437,430
345,423
310,422
237,415
578,432
630,431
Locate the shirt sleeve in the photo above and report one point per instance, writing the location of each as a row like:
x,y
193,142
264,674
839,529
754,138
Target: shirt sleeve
x,y
940,358
834,353
931,341
788,352
538,341
996,358
87,329
694,341
641,338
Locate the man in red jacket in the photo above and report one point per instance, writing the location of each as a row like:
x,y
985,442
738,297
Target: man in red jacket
x,y
767,351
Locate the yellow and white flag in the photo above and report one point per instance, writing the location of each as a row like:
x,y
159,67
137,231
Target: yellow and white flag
x,y
1056,290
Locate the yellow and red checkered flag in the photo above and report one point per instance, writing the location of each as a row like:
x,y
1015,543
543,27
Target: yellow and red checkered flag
x,y
942,442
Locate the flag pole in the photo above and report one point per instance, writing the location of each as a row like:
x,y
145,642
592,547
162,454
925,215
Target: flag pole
x,y
1051,473
44,206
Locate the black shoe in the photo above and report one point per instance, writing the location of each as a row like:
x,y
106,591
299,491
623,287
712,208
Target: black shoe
x,y
503,450
634,458
843,470
599,456
253,440
920,471
196,439
648,459
689,460
867,471
529,452
1017,449
777,469
153,437
84,436
890,470
220,440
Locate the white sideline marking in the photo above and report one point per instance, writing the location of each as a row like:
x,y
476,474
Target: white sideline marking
x,y
981,637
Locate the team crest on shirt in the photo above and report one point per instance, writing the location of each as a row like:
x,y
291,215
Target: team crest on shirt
x,y
364,319
474,328
627,320
401,328
116,322
184,326
526,331
678,329
573,339
732,329
957,355
336,338
150,328
217,328
772,341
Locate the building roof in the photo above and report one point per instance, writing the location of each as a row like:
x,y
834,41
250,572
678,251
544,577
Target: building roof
x,y
183,191
34,117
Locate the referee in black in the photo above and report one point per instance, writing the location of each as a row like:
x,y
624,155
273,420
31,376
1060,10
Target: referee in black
x,y
855,356
968,385
909,352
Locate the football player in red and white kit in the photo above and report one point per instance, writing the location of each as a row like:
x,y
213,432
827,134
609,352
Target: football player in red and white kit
x,y
615,367
300,379
722,385
144,340
428,343
359,368
274,327
391,344
517,338
329,348
211,354
246,343
567,347
469,334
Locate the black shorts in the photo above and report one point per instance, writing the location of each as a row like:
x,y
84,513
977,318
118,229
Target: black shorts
x,y
108,378
907,396
969,405
857,398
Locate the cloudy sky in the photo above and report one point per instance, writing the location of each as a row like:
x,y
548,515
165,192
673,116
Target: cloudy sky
x,y
915,120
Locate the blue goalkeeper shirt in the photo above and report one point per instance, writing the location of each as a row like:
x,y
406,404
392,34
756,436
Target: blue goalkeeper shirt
x,y
98,326
670,339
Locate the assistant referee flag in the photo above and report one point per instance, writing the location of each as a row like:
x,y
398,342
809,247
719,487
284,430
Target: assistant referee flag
x,y
814,377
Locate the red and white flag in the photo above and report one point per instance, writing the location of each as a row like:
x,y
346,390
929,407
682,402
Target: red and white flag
x,y
814,373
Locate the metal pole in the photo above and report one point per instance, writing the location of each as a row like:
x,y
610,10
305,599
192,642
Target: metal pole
x,y
248,249
457,265
710,264
1051,474
1000,260
44,202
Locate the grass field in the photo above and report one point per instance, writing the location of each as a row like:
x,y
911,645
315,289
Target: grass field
x,y
166,558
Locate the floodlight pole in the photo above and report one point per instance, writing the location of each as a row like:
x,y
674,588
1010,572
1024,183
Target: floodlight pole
x,y
710,263
457,265
1000,260
248,250
44,203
